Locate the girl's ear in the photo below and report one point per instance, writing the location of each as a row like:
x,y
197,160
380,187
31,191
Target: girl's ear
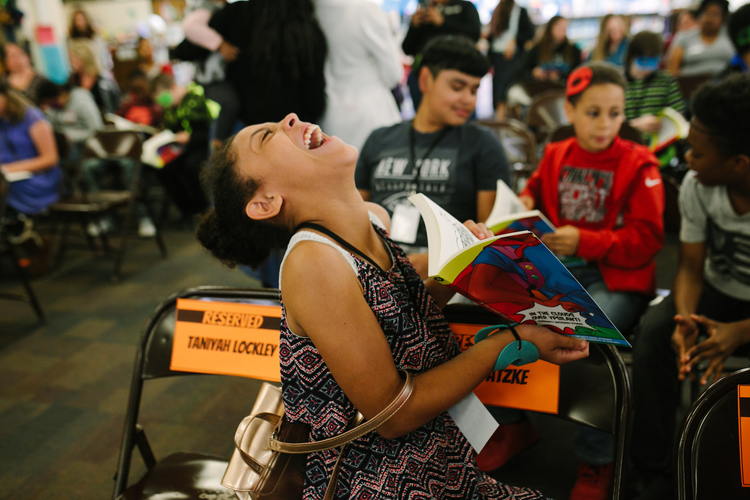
x,y
264,206
569,110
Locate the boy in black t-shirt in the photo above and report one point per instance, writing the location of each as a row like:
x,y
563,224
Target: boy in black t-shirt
x,y
458,164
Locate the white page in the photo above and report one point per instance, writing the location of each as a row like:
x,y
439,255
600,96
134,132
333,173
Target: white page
x,y
474,420
454,236
18,176
506,203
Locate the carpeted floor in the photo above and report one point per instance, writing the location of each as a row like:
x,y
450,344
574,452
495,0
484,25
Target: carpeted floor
x,y
64,384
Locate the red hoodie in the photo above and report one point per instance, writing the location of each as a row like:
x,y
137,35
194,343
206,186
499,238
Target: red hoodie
x,y
615,198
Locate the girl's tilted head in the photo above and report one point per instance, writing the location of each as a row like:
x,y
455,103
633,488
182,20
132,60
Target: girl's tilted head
x,y
595,105
265,181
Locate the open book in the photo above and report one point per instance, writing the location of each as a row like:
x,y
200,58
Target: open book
x,y
161,149
673,128
509,215
121,123
513,275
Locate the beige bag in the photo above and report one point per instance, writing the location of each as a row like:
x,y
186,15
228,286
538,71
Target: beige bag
x,y
270,453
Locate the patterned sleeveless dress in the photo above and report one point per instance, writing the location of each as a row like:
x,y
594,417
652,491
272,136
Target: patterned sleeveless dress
x,y
432,462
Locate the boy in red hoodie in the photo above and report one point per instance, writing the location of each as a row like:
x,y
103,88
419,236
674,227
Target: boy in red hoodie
x,y
605,196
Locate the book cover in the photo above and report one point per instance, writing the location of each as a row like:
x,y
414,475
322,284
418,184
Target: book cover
x,y
513,275
673,128
161,149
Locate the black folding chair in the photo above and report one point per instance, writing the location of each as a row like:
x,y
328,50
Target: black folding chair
x,y
519,146
183,475
708,450
9,249
594,391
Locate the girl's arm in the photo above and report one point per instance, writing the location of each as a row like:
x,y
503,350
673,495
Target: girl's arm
x,y
44,141
324,301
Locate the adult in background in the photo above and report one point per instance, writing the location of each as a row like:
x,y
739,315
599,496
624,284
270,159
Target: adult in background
x,y
553,57
680,22
282,51
510,31
82,30
210,71
435,18
84,72
363,65
146,62
612,42
705,50
21,75
27,147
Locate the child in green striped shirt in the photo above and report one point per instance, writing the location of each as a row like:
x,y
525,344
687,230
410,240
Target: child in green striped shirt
x,y
649,90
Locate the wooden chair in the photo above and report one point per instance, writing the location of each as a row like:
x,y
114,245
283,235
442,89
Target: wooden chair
x,y
185,475
85,208
546,113
519,146
7,248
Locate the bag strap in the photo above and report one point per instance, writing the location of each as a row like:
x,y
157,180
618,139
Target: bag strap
x,y
351,435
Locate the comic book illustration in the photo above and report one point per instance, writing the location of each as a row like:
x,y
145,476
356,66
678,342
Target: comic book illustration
x,y
518,278
513,275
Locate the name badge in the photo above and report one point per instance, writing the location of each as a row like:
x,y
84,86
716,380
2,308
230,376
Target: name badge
x,y
405,223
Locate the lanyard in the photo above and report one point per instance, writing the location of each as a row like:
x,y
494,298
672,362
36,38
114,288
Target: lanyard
x,y
412,139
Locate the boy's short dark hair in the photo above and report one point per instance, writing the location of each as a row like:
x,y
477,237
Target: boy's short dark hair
x,y
644,44
723,4
723,109
454,52
161,82
601,73
739,29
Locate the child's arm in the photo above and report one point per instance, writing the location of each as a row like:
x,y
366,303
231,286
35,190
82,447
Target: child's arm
x,y
687,289
641,236
531,192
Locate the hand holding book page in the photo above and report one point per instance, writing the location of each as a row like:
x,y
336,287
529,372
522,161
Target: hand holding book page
x,y
513,275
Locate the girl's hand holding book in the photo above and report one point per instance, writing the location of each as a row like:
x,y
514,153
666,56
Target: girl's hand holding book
x,y
479,229
553,347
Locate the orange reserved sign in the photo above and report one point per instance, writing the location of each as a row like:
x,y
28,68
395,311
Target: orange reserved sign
x,y
227,338
743,412
534,387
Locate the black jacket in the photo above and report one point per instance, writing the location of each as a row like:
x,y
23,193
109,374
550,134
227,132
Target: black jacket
x,y
461,18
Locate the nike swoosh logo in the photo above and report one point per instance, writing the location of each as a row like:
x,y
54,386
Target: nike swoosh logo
x,y
652,182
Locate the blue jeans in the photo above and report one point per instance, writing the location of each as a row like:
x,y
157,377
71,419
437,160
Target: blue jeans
x,y
624,309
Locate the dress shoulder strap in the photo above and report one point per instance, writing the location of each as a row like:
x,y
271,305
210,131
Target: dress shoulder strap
x,y
310,236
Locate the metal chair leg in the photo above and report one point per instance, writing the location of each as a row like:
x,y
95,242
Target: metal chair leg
x,y
24,275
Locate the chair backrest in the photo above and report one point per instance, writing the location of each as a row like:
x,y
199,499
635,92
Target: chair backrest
x,y
108,144
627,131
547,110
517,140
708,450
153,358
594,391
689,84
534,87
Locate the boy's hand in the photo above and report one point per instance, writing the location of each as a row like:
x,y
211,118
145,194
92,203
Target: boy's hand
x,y
419,17
182,137
479,229
683,339
553,347
647,123
723,339
434,17
528,201
564,241
228,51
